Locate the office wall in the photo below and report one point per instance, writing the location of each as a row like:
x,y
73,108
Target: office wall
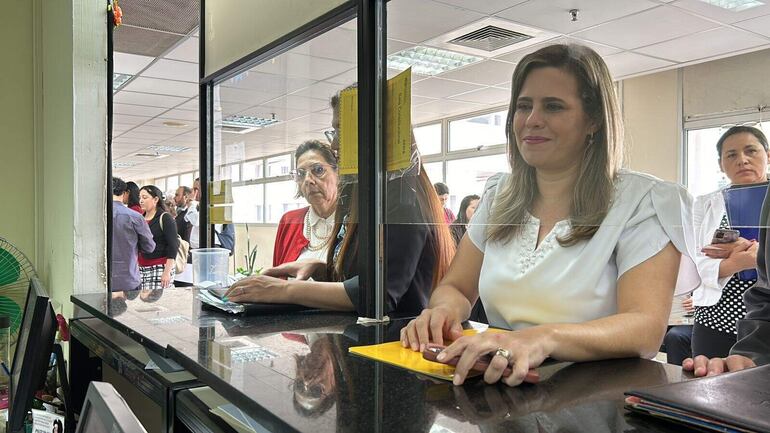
x,y
53,143
17,142
653,132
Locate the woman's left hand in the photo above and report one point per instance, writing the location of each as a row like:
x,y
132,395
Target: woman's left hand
x,y
165,279
527,349
258,288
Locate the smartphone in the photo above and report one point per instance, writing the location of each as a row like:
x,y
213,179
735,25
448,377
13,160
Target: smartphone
x,y
432,350
725,236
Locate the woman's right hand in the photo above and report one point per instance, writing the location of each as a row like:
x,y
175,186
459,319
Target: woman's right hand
x,y
745,256
302,270
433,325
723,251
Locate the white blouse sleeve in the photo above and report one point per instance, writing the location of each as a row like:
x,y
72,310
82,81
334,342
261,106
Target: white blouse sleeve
x,y
477,227
663,215
707,212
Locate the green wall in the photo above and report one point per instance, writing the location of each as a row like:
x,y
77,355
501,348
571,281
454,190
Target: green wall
x,y
17,145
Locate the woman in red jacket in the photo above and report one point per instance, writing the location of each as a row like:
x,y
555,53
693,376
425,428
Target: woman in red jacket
x,y
305,233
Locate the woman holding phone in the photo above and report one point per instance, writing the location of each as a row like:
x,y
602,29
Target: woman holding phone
x,y
718,301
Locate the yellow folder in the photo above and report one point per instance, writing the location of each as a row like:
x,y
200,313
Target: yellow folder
x,y
394,354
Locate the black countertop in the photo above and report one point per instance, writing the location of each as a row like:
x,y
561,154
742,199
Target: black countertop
x,y
294,372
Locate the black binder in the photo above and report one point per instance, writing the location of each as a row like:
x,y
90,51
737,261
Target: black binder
x,y
730,402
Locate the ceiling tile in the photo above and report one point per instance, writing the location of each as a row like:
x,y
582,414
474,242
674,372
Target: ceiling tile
x,y
337,44
703,45
441,88
298,65
420,20
137,110
131,64
162,87
396,46
447,107
759,25
191,105
345,79
488,96
720,14
149,99
177,114
173,70
488,72
129,120
628,63
319,90
487,7
647,28
516,56
554,15
187,51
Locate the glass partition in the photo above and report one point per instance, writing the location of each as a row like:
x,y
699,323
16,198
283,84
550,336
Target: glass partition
x,y
278,174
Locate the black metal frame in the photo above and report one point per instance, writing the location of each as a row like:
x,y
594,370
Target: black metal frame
x,y
371,83
108,209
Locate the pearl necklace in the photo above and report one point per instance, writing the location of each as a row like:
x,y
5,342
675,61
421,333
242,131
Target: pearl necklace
x,y
314,231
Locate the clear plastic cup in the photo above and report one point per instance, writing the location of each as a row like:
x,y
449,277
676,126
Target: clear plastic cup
x,y
209,266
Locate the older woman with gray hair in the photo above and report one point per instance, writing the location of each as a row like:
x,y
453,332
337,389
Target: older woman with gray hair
x,y
304,233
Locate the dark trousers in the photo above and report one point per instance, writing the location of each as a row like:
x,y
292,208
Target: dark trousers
x,y
710,342
678,342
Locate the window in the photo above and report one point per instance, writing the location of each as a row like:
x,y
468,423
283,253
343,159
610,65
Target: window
x,y
478,131
172,183
428,139
279,165
435,171
468,176
248,202
279,199
186,180
160,183
252,170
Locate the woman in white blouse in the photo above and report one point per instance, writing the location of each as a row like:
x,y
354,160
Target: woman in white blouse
x,y
578,257
743,155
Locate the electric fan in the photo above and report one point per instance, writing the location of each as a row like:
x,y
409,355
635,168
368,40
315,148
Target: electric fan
x,y
15,272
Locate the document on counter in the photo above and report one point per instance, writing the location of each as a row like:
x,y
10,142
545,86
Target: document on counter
x,y
730,402
394,354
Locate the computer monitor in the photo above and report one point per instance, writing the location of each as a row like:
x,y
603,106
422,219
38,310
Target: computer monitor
x,y
105,411
33,353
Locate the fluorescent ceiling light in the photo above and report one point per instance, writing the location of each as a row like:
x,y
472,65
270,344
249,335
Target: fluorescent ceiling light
x,y
734,5
118,80
174,124
162,148
236,124
122,164
429,61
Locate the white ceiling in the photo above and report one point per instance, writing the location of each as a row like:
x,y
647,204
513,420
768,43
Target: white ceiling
x,y
634,36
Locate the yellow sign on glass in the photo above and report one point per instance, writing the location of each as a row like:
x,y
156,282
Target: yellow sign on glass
x,y
398,125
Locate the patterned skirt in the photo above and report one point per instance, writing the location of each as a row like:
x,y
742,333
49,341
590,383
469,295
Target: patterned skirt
x,y
151,276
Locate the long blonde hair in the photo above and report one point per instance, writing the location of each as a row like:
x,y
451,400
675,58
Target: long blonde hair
x,y
601,159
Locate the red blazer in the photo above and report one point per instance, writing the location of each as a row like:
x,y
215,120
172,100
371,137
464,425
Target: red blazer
x,y
290,239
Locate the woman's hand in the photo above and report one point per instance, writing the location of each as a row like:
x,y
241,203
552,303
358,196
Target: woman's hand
x,y
258,288
687,305
703,366
723,251
527,349
165,279
433,325
303,270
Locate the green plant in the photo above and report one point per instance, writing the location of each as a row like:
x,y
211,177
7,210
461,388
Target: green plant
x,y
250,257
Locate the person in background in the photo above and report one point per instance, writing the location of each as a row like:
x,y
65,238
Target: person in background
x,y
443,195
157,267
743,156
753,345
133,197
224,237
305,233
182,198
170,207
467,208
129,235
192,215
578,257
418,250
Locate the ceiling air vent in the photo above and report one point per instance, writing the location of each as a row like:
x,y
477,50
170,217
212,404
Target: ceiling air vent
x,y
490,38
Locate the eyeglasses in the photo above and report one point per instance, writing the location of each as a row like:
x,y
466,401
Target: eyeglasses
x,y
318,171
331,135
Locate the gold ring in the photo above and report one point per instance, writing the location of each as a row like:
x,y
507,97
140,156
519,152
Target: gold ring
x,y
504,353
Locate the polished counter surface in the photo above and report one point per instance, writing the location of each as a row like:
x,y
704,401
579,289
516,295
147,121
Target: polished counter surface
x,y
294,372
